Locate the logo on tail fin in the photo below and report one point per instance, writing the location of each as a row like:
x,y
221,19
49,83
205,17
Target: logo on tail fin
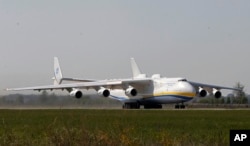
x,y
57,71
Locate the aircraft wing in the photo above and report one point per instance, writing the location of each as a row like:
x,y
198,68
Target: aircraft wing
x,y
209,87
109,84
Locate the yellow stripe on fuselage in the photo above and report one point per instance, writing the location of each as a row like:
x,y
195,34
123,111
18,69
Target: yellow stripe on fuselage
x,y
186,94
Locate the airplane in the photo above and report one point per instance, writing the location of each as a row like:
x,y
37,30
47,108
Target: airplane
x,y
140,90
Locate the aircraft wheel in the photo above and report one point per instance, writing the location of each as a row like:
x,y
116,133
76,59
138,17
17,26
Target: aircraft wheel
x,y
182,106
137,106
177,106
159,106
131,106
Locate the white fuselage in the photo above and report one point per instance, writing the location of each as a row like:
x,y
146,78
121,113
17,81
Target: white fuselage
x,y
161,91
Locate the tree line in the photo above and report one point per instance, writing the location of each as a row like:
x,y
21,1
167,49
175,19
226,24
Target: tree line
x,y
46,99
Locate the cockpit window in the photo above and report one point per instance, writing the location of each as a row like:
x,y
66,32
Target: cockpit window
x,y
182,80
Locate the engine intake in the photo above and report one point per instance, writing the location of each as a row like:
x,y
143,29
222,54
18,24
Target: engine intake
x,y
104,92
131,92
216,93
202,92
76,93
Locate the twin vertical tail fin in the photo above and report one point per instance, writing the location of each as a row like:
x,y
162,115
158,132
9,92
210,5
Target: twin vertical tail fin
x,y
58,77
57,72
135,70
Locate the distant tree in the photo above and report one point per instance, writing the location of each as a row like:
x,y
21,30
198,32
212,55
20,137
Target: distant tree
x,y
239,95
20,99
44,93
1,100
228,100
43,97
53,98
222,100
203,100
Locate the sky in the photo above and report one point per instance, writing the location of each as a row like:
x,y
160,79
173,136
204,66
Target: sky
x,y
203,41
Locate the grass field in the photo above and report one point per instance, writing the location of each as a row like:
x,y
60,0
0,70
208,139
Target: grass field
x,y
120,127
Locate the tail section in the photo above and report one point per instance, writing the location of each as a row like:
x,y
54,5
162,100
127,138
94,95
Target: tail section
x,y
135,70
57,72
58,77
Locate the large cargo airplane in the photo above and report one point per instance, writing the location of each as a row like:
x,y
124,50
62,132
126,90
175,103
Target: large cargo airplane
x,y
150,92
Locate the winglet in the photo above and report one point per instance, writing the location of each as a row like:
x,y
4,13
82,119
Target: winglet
x,y
57,72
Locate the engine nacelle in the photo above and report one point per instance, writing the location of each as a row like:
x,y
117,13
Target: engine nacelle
x,y
202,92
76,93
104,92
131,92
216,93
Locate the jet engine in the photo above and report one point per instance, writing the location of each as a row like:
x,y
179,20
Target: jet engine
x,y
131,92
104,92
76,93
202,92
216,93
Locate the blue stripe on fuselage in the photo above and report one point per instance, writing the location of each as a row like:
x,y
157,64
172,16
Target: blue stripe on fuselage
x,y
163,99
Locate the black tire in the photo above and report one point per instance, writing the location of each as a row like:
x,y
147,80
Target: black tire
x,y
131,106
182,106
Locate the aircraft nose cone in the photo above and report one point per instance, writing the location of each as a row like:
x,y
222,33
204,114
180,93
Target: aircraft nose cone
x,y
187,88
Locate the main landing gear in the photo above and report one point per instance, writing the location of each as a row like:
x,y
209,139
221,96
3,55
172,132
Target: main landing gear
x,y
180,106
152,106
131,105
137,106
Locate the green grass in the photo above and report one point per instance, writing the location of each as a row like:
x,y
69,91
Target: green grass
x,y
120,127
